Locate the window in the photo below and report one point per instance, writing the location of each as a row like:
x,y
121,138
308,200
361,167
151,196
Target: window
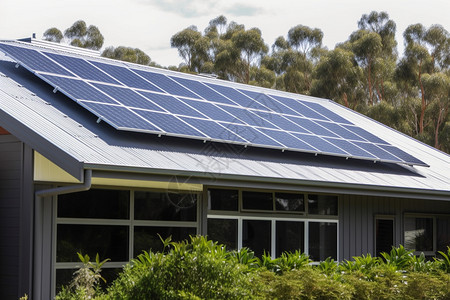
x,y
384,234
426,233
119,225
274,222
419,234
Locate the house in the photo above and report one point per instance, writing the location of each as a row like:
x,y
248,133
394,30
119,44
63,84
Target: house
x,y
100,156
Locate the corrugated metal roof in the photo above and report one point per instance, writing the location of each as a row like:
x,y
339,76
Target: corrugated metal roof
x,y
74,132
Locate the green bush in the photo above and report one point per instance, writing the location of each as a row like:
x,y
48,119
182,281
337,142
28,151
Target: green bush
x,y
202,269
199,269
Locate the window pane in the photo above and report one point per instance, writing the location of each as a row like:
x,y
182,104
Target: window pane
x,y
147,238
323,205
384,235
443,234
256,235
224,231
257,200
322,240
289,202
419,234
108,241
290,236
165,206
98,204
219,199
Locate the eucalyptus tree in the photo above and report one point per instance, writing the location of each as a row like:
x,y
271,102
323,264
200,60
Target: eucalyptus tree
x,y
129,54
192,47
374,46
293,58
53,35
426,52
338,78
79,35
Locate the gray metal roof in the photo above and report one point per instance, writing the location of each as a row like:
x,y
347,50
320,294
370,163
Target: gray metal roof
x,y
70,136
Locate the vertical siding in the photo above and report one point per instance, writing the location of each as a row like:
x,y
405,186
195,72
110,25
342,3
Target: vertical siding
x,y
357,217
10,199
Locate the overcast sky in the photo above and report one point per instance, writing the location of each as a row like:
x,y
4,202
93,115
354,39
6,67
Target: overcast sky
x,y
149,24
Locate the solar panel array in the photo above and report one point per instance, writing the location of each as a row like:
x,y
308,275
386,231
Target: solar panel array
x,y
136,98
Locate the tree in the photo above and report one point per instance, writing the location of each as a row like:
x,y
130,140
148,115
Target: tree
x,y
192,47
129,54
53,35
293,58
338,78
85,37
78,35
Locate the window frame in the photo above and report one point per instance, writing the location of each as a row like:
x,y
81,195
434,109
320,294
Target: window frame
x,y
383,217
272,215
130,222
427,216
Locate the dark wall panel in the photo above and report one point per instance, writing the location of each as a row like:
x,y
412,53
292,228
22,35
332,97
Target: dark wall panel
x,y
357,217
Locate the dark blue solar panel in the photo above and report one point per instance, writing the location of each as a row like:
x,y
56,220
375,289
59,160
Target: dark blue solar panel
x,y
312,127
365,134
127,77
280,121
236,96
321,144
326,112
256,118
34,60
170,124
247,116
127,97
213,111
202,90
350,148
340,131
288,140
78,89
119,116
299,108
213,129
377,151
81,68
252,135
401,154
172,104
265,100
166,84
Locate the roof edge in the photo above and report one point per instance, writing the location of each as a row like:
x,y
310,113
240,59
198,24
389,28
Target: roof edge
x,y
210,178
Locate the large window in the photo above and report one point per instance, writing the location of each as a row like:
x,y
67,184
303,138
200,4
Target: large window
x,y
274,222
426,233
119,225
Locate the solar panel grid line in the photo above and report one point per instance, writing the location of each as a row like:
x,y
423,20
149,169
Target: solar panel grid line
x,y
88,105
78,69
271,103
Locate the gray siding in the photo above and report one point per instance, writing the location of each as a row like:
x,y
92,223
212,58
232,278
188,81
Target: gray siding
x,y
13,249
357,218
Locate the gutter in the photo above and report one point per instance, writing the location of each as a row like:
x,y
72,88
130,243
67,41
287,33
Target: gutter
x,y
38,278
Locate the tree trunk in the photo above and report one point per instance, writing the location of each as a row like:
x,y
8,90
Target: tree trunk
x,y
369,79
424,104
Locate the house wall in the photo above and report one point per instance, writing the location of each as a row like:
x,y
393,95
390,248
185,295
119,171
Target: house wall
x,y
15,217
357,220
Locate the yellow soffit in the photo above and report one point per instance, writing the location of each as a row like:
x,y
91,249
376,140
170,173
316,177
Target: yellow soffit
x,y
46,171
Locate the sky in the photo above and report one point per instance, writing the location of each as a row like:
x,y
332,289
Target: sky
x,y
149,24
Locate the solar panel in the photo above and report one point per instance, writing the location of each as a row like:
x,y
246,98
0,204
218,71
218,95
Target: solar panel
x,y
138,98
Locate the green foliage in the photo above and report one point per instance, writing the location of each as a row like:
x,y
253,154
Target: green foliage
x,y
85,283
199,269
203,269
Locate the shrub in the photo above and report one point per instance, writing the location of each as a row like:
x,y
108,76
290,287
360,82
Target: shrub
x,y
189,270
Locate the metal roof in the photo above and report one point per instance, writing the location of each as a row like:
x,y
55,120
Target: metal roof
x,y
70,136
